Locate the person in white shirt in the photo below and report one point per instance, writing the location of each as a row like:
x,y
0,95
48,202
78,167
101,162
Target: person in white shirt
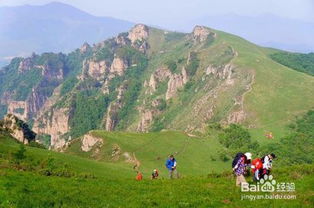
x,y
267,162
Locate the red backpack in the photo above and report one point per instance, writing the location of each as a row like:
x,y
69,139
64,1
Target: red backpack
x,y
139,176
257,163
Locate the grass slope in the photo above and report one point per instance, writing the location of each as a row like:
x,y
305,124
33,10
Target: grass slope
x,y
278,93
111,188
195,156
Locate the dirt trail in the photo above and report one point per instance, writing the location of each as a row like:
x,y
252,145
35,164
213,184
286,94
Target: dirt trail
x,y
137,163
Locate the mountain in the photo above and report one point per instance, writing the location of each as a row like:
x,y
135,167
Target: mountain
x,y
265,29
54,27
149,79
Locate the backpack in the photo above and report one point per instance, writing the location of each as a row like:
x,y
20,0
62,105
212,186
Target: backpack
x,y
237,158
258,164
139,176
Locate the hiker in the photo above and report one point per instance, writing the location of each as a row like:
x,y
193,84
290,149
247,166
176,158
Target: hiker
x,y
262,166
155,174
239,166
267,163
171,165
257,169
139,176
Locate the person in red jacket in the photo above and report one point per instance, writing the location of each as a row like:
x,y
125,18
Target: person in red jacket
x,y
257,169
139,176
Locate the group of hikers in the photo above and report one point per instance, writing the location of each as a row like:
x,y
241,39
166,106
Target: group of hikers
x,y
259,166
171,165
241,164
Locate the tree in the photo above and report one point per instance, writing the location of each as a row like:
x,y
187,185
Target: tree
x,y
235,136
20,154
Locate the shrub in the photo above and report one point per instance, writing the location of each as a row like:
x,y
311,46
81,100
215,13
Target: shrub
x,y
162,105
171,65
20,154
193,64
235,136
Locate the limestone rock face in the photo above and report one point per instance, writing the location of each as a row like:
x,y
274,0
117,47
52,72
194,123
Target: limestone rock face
x,y
122,40
14,106
201,33
89,141
55,124
25,65
236,117
222,72
111,119
50,73
159,75
85,47
112,114
162,74
18,129
147,115
152,83
35,102
138,33
138,36
175,82
118,66
146,119
97,70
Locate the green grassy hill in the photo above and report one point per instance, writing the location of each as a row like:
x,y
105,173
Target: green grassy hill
x,y
195,156
79,182
275,97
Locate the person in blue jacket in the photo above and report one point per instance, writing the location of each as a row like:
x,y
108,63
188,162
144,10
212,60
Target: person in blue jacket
x,y
171,165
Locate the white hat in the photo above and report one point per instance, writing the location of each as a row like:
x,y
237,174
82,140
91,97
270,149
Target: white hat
x,y
248,155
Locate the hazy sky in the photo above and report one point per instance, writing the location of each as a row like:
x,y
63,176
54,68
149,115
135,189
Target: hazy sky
x,y
166,12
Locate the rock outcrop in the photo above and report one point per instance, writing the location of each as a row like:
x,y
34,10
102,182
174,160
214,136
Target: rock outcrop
x,y
51,73
147,117
138,36
85,48
122,39
26,64
118,66
201,33
89,142
55,123
17,128
104,70
176,81
138,33
111,118
221,72
97,70
18,108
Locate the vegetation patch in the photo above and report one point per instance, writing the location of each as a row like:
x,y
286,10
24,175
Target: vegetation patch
x,y
297,61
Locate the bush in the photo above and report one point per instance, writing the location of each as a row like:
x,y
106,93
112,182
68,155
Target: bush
x,y
162,105
171,65
235,136
68,85
20,154
193,64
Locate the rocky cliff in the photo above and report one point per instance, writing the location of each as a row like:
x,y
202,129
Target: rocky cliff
x,y
17,128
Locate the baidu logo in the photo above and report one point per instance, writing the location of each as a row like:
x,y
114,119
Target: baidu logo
x,y
267,184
